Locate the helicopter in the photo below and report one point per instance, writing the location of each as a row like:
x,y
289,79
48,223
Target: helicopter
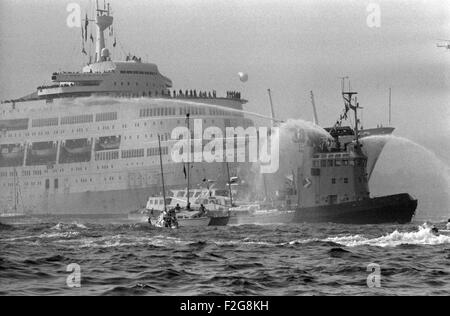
x,y
444,43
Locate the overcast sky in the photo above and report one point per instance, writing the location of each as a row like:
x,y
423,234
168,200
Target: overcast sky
x,y
289,46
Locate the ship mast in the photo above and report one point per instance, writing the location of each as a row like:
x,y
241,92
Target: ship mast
x,y
162,172
103,21
229,185
15,191
316,118
272,111
188,171
348,99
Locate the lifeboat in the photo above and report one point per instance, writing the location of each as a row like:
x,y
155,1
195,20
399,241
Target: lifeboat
x,y
43,151
78,149
13,153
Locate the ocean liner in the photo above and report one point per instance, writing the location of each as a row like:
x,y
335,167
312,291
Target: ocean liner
x,y
87,143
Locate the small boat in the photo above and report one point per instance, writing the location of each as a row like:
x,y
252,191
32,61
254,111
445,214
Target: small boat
x,y
188,218
110,143
43,152
256,214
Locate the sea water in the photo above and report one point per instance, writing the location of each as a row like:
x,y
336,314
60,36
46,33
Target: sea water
x,y
116,256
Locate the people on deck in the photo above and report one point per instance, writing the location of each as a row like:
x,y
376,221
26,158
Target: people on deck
x,y
434,230
202,210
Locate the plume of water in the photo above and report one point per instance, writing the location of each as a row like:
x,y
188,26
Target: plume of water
x,y
407,166
295,136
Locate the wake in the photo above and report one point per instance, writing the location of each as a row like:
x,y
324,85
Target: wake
x,y
423,236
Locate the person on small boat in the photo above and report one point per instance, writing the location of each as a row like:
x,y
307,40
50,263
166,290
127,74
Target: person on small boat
x,y
188,206
434,230
172,214
177,208
202,210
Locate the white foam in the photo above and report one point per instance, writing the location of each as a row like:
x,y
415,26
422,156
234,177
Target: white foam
x,y
74,225
423,236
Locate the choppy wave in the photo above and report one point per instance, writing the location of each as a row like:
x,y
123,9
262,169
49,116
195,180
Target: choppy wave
x,y
423,236
130,259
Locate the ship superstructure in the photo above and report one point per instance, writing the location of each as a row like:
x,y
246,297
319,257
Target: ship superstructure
x,y
333,182
87,143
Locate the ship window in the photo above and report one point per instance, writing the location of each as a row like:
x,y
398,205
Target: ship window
x,y
79,119
56,183
102,117
345,180
333,180
128,83
323,163
47,184
45,122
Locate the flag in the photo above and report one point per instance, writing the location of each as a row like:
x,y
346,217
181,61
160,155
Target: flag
x,y
86,23
233,180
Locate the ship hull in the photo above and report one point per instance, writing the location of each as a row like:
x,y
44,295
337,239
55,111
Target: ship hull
x,y
399,208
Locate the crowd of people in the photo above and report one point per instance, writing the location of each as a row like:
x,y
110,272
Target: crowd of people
x,y
194,94
233,95
203,94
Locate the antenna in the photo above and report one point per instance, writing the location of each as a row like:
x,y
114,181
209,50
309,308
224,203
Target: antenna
x,y
343,83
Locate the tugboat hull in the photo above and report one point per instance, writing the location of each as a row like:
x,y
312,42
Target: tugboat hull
x,y
399,208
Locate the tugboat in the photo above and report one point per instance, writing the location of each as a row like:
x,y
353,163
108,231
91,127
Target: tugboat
x,y
333,184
